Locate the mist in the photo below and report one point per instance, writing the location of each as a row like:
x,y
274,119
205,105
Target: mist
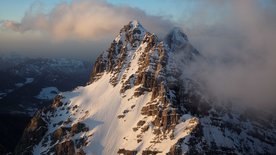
x,y
80,28
236,38
239,51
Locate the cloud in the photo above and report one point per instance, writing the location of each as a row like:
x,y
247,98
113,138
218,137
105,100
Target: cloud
x,y
82,19
81,28
236,37
240,48
11,25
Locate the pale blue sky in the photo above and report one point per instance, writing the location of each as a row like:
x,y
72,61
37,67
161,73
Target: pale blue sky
x,y
170,8
198,18
15,9
174,9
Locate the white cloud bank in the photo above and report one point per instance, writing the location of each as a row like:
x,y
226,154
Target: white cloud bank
x,y
237,36
241,50
82,19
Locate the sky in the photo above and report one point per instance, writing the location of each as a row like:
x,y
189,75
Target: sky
x,y
33,15
84,28
15,9
237,36
40,24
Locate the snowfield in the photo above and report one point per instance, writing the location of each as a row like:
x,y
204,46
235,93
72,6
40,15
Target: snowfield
x,y
99,106
47,93
142,105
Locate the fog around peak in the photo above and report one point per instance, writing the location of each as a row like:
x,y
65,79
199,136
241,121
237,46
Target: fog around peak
x,y
236,37
240,52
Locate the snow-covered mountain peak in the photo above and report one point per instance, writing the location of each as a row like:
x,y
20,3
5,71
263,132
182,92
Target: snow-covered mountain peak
x,y
176,38
136,102
131,34
132,40
136,24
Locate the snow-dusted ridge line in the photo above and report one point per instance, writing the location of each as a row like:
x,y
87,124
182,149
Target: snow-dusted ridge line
x,y
138,103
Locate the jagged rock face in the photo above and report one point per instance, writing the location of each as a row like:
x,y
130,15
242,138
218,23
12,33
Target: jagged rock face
x,y
129,38
39,131
138,102
33,134
176,39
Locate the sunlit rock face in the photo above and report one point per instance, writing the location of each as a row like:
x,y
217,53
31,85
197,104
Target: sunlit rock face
x,y
139,102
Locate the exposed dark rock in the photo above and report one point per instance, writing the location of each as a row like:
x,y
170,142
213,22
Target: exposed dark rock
x,y
141,123
127,152
135,129
59,134
113,59
75,107
80,142
149,152
68,121
120,116
145,128
81,152
125,111
172,96
78,127
175,149
57,103
65,148
32,135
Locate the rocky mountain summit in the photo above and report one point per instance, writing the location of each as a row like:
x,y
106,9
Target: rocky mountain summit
x,y
139,101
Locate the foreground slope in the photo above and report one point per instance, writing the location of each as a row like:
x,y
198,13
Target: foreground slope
x,y
27,84
138,101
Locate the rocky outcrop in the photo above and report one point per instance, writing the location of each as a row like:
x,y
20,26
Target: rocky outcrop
x,y
149,152
60,139
172,108
65,148
126,152
172,96
32,135
175,149
36,129
113,59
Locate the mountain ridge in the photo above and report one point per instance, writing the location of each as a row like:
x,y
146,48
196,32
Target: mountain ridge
x,y
28,84
137,102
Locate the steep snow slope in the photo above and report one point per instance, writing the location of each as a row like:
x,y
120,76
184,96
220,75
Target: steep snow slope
x,y
139,102
99,104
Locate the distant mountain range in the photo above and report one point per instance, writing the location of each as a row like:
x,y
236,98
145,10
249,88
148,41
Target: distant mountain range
x,y
28,84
